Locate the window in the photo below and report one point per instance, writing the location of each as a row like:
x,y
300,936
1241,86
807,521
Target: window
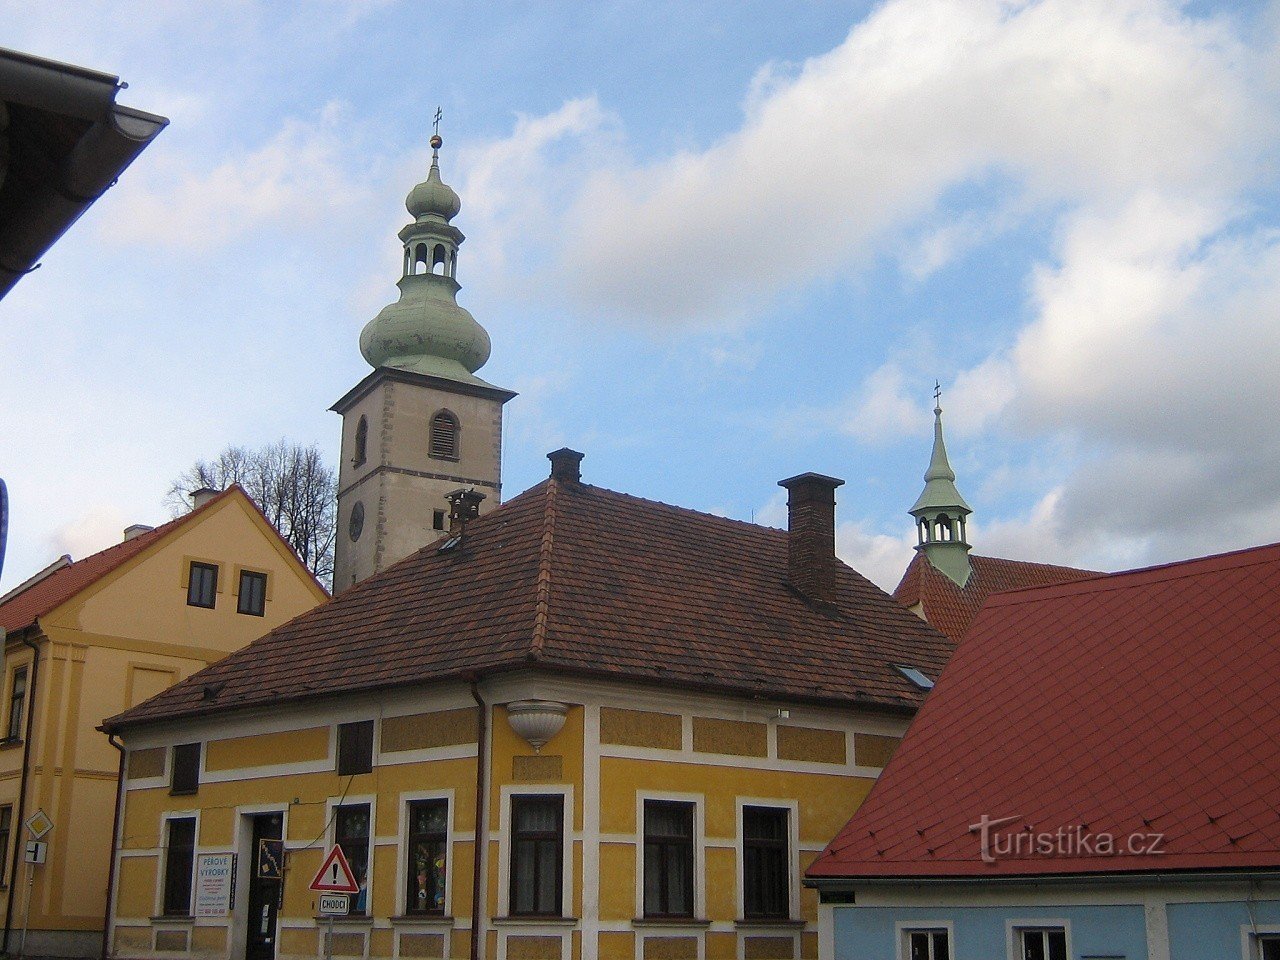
x,y
668,859
1044,944
202,585
437,519
253,593
17,698
185,775
1269,947
428,856
355,748
6,828
766,867
179,858
362,442
928,945
351,833
537,850
444,436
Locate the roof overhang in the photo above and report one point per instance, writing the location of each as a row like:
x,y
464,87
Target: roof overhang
x,y
477,389
1095,878
63,141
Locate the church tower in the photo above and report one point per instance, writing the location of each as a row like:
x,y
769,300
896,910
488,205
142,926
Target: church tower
x,y
940,512
422,424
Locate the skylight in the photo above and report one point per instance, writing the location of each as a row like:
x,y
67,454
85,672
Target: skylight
x,y
916,677
450,544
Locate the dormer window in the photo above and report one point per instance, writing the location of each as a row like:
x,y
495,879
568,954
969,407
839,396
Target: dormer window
x,y
444,436
362,442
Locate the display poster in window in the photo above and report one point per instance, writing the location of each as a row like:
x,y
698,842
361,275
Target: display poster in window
x,y
215,884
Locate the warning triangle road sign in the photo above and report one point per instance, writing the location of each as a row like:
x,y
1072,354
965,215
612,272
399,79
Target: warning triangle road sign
x,y
334,875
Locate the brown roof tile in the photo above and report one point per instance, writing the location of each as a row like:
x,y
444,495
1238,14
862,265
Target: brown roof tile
x,y
951,608
580,579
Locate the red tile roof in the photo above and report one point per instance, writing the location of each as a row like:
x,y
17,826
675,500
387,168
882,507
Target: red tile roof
x,y
23,609
951,608
1140,702
576,579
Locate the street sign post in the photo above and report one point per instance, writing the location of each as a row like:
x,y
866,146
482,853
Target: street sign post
x,y
334,879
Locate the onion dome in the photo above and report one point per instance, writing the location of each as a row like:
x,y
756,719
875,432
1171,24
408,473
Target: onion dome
x,y
433,197
425,331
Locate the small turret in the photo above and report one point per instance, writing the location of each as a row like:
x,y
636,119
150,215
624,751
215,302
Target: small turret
x,y
425,331
940,512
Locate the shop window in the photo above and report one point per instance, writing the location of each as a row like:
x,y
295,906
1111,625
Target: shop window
x,y
428,854
351,833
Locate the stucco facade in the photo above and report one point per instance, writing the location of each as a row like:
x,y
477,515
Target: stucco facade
x,y
620,746
110,645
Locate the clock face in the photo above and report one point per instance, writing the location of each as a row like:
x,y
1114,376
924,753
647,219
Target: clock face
x,y
356,524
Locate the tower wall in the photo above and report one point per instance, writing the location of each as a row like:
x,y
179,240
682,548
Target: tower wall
x,y
400,485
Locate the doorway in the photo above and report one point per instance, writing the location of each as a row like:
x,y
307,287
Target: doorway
x,y
264,890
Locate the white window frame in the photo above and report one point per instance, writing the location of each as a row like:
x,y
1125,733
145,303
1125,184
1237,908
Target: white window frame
x,y
504,844
699,850
331,836
792,807
905,927
1250,938
402,849
1015,929
162,849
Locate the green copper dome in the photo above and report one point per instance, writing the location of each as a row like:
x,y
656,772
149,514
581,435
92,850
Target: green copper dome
x,y
433,197
425,331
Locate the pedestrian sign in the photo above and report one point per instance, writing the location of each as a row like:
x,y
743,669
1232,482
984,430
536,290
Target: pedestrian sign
x,y
334,875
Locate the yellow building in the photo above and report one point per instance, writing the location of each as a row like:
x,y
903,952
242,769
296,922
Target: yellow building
x,y
84,640
637,724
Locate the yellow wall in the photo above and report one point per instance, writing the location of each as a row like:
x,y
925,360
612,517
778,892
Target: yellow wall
x,y
116,643
604,784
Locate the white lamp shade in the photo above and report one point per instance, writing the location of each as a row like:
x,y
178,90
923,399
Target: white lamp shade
x,y
537,721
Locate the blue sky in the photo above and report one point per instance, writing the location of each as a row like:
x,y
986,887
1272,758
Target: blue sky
x,y
714,246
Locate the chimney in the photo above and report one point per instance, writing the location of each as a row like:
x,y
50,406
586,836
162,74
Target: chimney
x,y
811,534
135,530
566,464
202,496
464,506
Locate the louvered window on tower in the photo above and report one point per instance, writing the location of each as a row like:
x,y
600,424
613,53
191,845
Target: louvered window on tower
x,y
444,436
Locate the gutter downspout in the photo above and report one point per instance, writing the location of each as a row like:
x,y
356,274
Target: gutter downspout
x,y
478,881
22,788
115,838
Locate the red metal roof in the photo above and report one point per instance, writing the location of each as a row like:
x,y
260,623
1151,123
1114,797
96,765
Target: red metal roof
x,y
575,578
1140,702
951,608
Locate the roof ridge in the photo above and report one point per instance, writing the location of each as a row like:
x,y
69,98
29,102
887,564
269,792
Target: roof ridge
x,y
542,606
701,514
1038,563
1156,573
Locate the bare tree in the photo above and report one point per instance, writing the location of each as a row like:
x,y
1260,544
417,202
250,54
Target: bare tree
x,y
290,483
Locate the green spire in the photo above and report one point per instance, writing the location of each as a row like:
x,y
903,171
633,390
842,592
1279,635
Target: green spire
x,y
940,512
425,331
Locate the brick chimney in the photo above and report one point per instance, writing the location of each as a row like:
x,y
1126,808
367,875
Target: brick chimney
x,y
811,534
202,496
464,506
566,464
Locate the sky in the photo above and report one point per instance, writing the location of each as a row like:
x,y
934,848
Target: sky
x,y
715,245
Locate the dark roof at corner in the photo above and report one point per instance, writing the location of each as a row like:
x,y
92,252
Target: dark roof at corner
x,y
24,606
66,142
951,608
1141,702
578,579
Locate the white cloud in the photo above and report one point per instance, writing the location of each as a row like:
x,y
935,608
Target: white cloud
x,y
96,527
303,175
1082,102
878,557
